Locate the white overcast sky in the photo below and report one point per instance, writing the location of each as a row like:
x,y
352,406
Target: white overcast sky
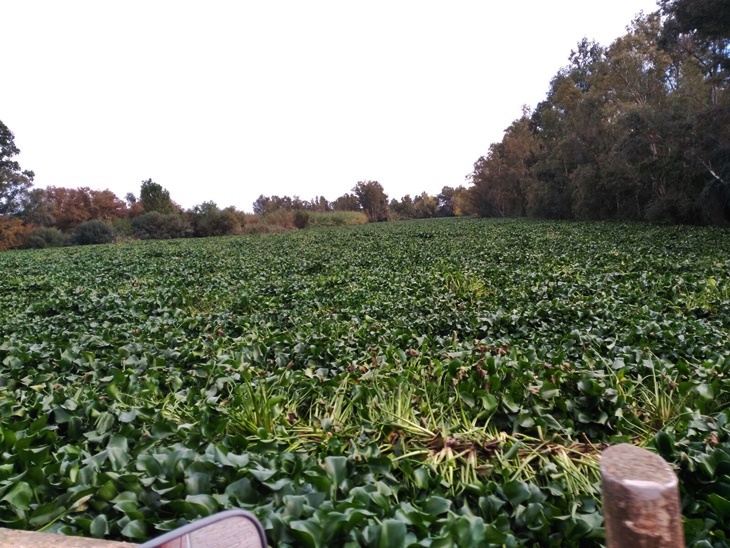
x,y
227,100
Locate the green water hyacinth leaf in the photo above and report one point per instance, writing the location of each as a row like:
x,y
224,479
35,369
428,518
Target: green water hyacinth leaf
x,y
242,490
336,468
664,443
720,505
458,377
45,514
470,531
509,404
135,529
204,504
99,527
392,534
436,505
516,492
19,496
307,532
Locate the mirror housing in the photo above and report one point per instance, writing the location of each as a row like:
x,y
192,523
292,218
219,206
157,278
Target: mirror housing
x,y
228,529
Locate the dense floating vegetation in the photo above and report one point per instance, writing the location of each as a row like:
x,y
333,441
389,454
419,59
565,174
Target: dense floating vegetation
x,y
433,382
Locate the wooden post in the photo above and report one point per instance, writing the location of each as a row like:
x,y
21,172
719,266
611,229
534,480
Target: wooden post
x,y
640,499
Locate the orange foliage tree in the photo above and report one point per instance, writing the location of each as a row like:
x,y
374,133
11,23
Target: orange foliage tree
x,y
73,206
13,232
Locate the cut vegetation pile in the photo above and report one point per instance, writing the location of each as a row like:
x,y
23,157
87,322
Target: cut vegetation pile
x,y
433,383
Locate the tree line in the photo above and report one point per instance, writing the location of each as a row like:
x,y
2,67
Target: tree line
x,y
370,198
57,216
638,130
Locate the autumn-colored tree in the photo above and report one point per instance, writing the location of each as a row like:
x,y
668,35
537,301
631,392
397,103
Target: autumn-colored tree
x,y
106,206
425,206
13,232
69,207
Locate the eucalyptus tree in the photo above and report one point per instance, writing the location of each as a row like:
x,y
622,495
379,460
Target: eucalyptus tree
x,y
15,183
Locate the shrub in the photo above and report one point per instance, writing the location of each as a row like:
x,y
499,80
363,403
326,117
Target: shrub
x,y
301,219
92,232
673,209
715,203
279,220
207,220
160,226
42,237
337,218
123,228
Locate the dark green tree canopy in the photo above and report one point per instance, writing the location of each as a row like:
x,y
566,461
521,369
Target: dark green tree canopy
x,y
156,198
14,182
709,19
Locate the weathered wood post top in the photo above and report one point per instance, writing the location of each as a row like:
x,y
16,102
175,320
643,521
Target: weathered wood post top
x,y
640,499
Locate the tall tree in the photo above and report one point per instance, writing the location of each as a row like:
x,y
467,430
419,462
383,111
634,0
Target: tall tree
x,y
425,205
156,198
448,201
699,31
504,184
372,200
346,202
403,209
14,182
702,29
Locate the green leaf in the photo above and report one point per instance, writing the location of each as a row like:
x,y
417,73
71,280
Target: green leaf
x,y
392,534
205,504
197,483
707,464
490,402
516,492
421,478
705,391
436,505
336,468
99,527
664,443
512,452
720,505
135,529
19,496
46,513
510,404
242,491
549,391
128,416
307,532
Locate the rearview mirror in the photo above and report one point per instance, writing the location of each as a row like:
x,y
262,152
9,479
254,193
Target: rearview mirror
x,y
229,529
